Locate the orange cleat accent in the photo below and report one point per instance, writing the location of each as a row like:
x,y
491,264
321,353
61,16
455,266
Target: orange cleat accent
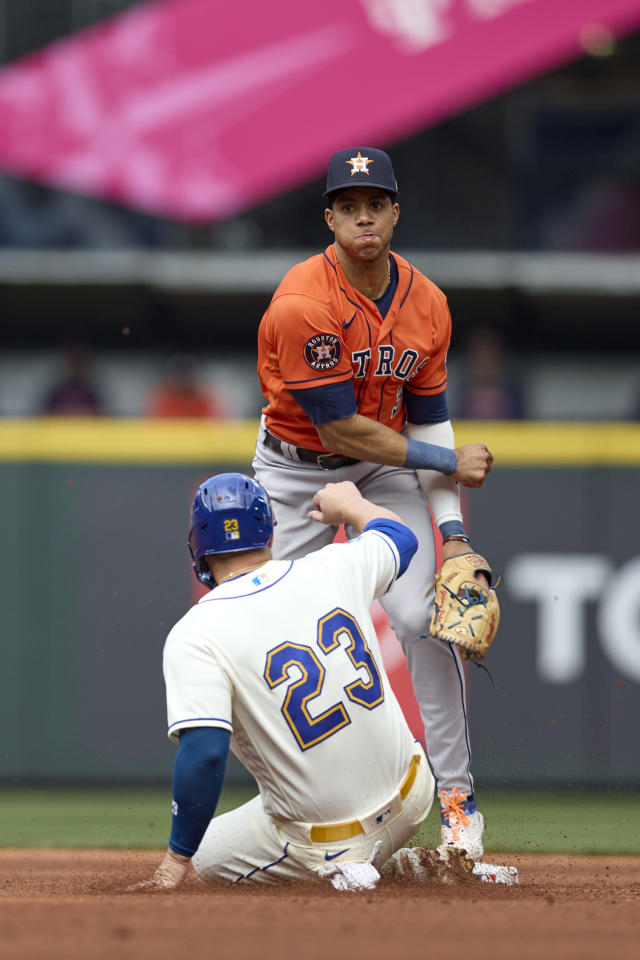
x,y
453,812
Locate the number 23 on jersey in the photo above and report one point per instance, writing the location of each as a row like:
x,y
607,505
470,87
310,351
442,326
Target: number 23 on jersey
x,y
308,730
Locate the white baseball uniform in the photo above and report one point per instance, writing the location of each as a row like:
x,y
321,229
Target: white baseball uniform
x,y
287,659
436,669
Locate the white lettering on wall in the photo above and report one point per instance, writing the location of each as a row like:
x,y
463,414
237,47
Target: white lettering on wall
x,y
561,585
619,620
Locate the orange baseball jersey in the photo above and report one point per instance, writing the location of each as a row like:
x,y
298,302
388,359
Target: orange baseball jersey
x,y
319,331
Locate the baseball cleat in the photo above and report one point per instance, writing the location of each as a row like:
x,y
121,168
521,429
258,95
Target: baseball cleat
x,y
420,865
452,867
490,873
461,824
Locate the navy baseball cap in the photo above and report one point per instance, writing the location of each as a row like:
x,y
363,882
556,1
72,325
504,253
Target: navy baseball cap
x,y
361,167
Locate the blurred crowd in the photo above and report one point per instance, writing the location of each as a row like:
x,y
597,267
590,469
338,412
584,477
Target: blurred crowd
x,y
487,386
179,390
487,381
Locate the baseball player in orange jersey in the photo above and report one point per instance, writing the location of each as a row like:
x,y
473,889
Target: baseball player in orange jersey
x,y
352,362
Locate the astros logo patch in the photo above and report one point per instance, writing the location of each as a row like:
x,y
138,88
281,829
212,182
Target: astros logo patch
x,y
359,164
323,351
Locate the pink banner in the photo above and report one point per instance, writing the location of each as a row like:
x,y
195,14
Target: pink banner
x,y
198,109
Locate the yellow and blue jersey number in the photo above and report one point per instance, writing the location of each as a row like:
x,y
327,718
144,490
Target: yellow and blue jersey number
x,y
308,730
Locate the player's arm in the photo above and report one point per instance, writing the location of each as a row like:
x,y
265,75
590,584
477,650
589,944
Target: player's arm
x,y
429,422
442,492
199,710
198,775
342,502
365,439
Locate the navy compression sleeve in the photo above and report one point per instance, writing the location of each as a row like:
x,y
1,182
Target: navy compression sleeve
x,y
405,540
198,773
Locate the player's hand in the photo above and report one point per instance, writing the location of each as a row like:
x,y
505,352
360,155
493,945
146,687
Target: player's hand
x,y
168,876
455,548
474,463
334,503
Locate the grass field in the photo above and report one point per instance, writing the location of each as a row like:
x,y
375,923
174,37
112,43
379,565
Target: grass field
x,y
571,822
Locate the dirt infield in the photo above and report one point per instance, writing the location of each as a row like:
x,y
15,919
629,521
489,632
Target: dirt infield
x,y
68,905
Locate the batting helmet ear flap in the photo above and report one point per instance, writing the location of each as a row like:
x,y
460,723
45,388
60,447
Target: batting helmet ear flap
x,y
231,512
202,570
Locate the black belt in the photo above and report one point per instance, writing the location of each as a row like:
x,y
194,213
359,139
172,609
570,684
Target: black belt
x,y
326,461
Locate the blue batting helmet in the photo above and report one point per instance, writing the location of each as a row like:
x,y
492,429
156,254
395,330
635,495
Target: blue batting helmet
x,y
231,512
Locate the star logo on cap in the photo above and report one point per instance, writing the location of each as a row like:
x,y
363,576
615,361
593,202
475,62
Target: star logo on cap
x,y
359,164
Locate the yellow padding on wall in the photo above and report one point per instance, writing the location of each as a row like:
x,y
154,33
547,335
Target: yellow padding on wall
x,y
106,440
537,443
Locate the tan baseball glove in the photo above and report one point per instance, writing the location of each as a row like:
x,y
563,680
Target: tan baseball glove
x,y
465,612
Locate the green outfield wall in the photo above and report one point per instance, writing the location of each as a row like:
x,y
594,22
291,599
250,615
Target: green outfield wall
x,y
94,571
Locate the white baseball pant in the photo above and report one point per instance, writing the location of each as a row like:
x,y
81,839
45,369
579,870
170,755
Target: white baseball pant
x,y
248,844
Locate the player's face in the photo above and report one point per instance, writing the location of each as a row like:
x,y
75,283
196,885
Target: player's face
x,y
362,219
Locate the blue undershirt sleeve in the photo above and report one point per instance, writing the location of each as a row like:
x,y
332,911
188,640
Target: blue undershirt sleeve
x,y
324,404
198,774
405,539
426,409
